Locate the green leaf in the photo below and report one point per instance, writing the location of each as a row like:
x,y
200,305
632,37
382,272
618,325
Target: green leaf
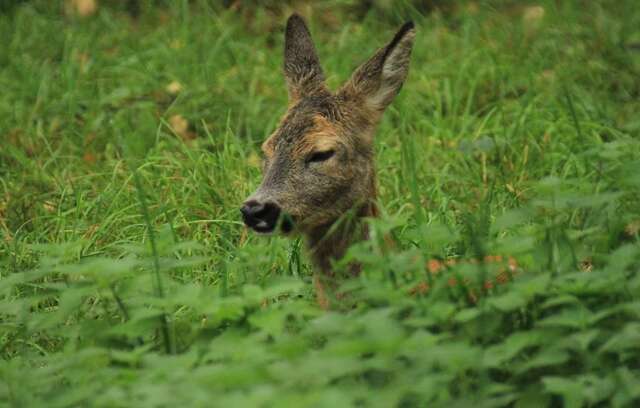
x,y
271,321
560,300
512,346
579,341
628,338
623,257
546,357
572,392
530,286
282,287
511,218
574,318
508,302
628,386
228,308
533,397
467,315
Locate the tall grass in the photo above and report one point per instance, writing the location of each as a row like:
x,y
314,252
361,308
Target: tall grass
x,y
127,144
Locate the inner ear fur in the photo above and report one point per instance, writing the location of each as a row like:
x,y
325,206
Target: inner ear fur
x,y
378,80
302,68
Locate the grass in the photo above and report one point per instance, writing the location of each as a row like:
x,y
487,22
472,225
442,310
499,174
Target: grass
x,y
127,146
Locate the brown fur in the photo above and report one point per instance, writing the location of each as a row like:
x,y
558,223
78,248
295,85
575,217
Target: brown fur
x,y
319,164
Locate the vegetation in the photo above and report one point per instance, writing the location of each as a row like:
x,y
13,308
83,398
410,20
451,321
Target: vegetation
x,y
128,144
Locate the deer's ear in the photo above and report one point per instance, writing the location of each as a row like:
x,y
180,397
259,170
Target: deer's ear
x,y
378,81
301,65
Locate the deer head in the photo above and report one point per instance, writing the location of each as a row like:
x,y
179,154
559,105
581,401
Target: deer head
x,y
318,163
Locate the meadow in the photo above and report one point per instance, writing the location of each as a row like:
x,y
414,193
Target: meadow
x,y
128,143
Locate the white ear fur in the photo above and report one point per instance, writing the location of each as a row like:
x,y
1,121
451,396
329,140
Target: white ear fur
x,y
394,72
379,80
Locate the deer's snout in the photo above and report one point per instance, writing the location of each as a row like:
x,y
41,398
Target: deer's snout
x,y
260,216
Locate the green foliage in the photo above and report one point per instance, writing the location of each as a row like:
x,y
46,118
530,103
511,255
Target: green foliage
x,y
127,144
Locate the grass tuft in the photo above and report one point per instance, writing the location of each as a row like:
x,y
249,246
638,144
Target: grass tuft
x,y
516,135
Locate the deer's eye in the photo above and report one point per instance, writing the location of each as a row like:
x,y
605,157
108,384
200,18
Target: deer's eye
x,y
320,156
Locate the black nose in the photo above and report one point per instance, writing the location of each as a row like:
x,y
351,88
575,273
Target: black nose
x,y
262,217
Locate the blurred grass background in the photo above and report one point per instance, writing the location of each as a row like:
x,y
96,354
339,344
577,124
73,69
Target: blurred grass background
x,y
126,123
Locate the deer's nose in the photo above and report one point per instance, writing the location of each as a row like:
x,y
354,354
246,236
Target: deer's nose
x,y
262,217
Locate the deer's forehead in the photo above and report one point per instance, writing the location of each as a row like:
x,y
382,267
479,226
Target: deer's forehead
x,y
299,134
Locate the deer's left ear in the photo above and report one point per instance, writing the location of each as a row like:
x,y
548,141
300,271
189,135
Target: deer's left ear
x,y
378,81
301,65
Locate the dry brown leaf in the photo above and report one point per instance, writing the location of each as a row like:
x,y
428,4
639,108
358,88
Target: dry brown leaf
x,y
89,158
533,14
90,232
181,127
472,8
632,228
174,88
84,8
179,124
48,207
586,265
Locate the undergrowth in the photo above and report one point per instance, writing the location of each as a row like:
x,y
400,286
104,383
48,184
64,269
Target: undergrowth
x,y
128,142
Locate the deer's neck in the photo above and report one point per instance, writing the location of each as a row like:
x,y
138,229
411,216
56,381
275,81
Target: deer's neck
x,y
330,242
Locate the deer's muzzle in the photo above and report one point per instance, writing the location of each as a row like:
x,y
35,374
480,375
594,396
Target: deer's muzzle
x,y
263,217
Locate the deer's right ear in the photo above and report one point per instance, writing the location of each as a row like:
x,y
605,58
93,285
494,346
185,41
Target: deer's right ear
x,y
301,65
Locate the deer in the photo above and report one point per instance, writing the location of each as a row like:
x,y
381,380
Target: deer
x,y
319,162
